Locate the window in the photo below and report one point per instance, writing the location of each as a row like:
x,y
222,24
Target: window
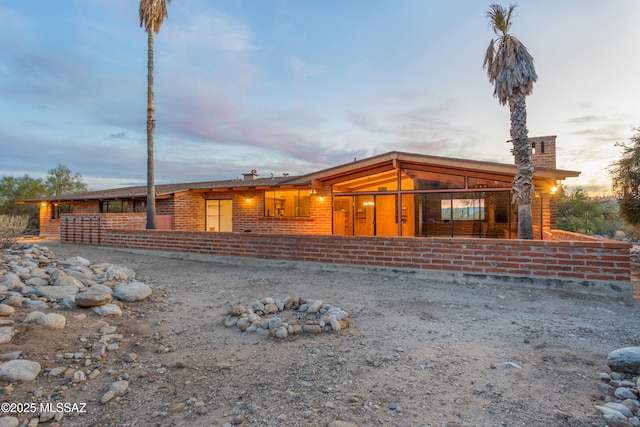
x,y
423,180
113,206
290,203
139,205
61,208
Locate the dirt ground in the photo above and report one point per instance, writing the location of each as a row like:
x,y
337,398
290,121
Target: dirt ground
x,y
418,353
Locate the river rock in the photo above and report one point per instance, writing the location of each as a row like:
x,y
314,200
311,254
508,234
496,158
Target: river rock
x,y
76,260
118,273
108,310
9,421
54,293
11,281
6,310
625,360
134,291
64,280
6,334
53,321
19,370
92,298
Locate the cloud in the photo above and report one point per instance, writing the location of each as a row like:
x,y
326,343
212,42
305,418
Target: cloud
x,y
210,30
301,69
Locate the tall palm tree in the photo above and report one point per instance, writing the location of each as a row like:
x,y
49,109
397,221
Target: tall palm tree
x,y
152,14
510,69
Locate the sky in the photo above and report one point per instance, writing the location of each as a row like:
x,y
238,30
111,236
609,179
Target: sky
x,y
296,86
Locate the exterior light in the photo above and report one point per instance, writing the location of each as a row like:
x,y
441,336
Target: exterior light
x,y
44,204
554,189
313,191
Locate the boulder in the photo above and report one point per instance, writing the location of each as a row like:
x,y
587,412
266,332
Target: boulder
x,y
53,321
92,298
134,291
626,360
54,293
19,370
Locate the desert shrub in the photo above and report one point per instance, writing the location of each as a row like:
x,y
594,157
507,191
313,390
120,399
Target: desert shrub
x,y
11,228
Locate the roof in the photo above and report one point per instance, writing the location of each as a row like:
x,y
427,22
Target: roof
x,y
401,160
379,163
166,190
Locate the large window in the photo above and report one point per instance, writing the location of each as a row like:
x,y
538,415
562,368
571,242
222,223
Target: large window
x,y
61,208
113,206
287,203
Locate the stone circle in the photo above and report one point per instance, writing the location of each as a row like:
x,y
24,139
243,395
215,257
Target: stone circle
x,y
268,317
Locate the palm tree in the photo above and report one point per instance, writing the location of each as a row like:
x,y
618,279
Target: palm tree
x,y
152,14
510,69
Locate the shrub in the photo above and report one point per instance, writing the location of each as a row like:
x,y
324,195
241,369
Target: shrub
x,y
11,228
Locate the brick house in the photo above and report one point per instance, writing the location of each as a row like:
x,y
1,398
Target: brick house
x,y
392,194
440,218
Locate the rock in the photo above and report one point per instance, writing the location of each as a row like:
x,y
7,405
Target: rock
x,y
314,306
6,310
36,282
624,393
625,360
620,408
134,291
19,370
119,274
54,293
78,377
34,316
53,321
108,310
12,281
10,356
107,397
119,387
9,422
6,334
76,260
68,281
91,298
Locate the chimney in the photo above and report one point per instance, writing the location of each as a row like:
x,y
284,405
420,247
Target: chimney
x,y
543,151
250,176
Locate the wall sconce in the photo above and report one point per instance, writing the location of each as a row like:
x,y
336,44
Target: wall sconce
x,y
554,190
44,204
313,192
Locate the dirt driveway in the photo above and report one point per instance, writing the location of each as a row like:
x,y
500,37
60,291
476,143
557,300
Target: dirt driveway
x,y
417,354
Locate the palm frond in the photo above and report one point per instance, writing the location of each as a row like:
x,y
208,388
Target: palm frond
x,y
152,14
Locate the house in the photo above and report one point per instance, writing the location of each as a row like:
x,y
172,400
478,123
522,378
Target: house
x,y
392,194
445,219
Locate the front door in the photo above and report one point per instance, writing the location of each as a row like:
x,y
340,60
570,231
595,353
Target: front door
x,y
219,215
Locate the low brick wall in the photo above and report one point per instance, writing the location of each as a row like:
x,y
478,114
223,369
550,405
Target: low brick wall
x,y
593,266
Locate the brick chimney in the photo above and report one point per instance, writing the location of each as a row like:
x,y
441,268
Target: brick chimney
x,y
543,151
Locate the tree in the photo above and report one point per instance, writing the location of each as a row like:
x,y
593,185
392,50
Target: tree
x,y
625,179
13,189
510,69
152,14
61,180
580,213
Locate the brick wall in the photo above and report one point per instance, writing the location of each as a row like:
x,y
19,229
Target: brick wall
x,y
592,266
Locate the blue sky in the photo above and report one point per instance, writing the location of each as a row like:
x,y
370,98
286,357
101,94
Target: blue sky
x,y
291,86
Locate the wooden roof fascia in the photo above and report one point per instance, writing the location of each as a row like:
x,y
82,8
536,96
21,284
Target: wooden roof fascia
x,y
387,167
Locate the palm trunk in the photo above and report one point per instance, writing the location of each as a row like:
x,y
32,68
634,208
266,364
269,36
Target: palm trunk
x,y
523,181
151,124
